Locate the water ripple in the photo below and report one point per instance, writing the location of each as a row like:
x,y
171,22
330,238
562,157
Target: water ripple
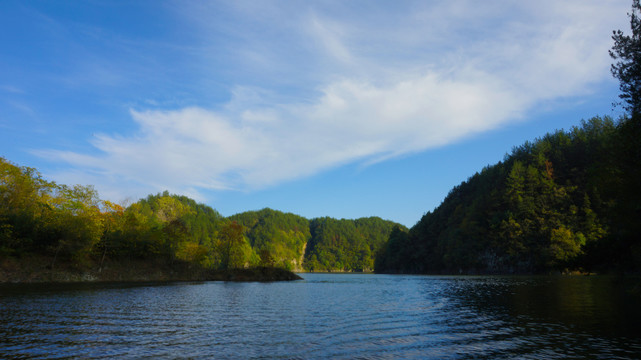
x,y
325,316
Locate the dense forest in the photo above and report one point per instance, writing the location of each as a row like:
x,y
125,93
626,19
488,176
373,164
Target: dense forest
x,y
280,237
349,245
565,201
570,200
72,226
321,244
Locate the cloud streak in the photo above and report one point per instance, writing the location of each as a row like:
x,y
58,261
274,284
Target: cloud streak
x,y
365,104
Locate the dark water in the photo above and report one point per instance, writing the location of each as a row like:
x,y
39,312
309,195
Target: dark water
x,y
328,316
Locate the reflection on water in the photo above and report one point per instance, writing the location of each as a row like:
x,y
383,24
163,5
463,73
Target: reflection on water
x,y
327,316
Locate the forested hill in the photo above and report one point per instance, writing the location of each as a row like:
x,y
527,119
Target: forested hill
x,y
349,245
321,244
569,200
281,235
48,226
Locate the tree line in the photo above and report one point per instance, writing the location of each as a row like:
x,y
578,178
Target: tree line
x,y
320,244
561,202
72,225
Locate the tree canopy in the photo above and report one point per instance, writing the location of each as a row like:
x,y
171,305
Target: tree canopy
x,y
71,224
553,204
280,237
627,68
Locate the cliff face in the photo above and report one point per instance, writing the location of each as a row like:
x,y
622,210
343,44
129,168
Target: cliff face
x,y
298,263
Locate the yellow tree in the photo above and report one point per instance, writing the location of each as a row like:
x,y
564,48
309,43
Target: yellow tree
x,y
171,212
77,221
24,196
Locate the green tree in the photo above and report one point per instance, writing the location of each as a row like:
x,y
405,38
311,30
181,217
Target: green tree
x,y
113,222
266,259
564,245
627,50
173,226
78,222
283,235
627,224
232,246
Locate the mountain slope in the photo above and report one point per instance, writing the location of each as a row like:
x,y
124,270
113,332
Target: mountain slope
x,y
565,201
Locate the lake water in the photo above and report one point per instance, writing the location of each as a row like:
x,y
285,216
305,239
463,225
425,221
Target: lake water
x,y
337,316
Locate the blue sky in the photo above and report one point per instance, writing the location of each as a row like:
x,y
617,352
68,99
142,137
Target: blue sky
x,y
319,108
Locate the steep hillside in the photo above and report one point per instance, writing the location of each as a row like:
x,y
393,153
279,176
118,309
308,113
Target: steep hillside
x,y
569,200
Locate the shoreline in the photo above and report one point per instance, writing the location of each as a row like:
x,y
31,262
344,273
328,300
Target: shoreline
x,y
36,270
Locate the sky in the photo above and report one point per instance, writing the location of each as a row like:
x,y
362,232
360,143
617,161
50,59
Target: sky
x,y
345,109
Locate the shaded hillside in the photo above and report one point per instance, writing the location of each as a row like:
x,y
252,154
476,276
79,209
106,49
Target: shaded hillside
x,y
345,245
566,201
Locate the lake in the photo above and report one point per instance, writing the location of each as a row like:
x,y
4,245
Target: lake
x,y
338,316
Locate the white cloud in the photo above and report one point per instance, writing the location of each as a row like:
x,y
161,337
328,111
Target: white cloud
x,y
386,93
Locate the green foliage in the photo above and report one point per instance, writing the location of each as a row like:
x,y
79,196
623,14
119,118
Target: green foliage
x,y
627,50
24,209
553,204
396,251
323,244
568,200
564,245
72,224
283,235
41,216
172,227
266,259
345,245
235,251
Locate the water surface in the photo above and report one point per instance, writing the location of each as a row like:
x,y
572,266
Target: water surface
x,y
336,316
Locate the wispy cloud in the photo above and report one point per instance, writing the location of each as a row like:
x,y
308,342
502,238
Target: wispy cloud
x,y
376,84
329,35
11,89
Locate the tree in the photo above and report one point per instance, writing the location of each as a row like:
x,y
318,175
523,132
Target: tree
x,y
77,220
283,235
113,220
564,245
266,259
627,50
231,245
